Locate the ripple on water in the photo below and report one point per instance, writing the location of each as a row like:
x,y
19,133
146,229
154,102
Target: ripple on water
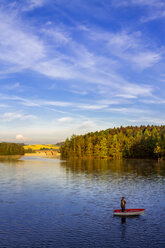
x,y
48,203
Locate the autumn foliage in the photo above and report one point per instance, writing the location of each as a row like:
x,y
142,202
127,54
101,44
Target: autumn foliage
x,y
11,149
117,143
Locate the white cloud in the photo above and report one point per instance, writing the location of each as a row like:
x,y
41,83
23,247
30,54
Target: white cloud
x,y
59,35
20,137
56,68
55,103
56,110
155,9
35,102
87,126
21,49
150,3
113,101
65,119
137,90
32,4
156,14
3,105
146,59
129,47
150,120
92,107
126,110
18,48
24,101
79,91
10,116
153,100
127,96
12,86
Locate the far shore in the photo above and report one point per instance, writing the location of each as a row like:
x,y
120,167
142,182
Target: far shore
x,y
43,154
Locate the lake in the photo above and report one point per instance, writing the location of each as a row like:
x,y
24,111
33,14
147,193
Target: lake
x,y
53,203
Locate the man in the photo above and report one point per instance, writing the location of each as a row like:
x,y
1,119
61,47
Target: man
x,y
123,202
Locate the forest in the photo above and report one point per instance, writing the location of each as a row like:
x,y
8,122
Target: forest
x,y
11,149
117,143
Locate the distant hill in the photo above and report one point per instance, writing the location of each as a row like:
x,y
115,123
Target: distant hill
x,y
59,143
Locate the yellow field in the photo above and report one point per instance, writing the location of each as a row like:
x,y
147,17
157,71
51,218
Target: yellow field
x,y
38,147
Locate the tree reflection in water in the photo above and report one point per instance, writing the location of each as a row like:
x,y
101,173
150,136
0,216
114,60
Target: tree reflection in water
x,y
136,167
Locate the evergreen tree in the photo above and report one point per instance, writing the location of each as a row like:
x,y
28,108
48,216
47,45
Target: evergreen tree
x,y
128,142
96,152
103,148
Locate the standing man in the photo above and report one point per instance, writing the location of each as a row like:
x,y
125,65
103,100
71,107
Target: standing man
x,y
123,202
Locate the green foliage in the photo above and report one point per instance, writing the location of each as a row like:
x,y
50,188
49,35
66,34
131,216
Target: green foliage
x,y
103,148
11,149
124,142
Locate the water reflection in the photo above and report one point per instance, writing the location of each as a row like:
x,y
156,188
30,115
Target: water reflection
x,y
10,158
123,220
53,203
121,167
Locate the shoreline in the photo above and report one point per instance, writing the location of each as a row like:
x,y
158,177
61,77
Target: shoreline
x,y
57,155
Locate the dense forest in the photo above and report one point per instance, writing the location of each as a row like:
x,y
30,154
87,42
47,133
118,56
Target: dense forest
x,y
11,149
124,142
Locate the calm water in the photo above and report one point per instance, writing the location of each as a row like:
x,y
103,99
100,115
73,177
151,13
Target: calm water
x,y
53,203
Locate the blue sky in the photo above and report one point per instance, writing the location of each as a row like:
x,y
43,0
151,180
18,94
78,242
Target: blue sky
x,y
75,66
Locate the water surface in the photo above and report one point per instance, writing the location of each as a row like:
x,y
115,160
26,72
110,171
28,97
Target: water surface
x,y
52,203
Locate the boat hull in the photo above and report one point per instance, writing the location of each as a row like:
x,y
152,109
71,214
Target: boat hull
x,y
129,212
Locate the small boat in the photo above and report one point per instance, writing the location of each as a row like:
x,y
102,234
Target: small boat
x,y
129,212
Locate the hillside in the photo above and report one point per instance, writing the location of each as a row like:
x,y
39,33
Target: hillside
x,y
117,143
37,147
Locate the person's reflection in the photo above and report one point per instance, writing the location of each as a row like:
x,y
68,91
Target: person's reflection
x,y
123,220
123,228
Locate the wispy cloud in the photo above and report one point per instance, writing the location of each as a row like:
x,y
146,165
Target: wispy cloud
x,y
127,96
146,59
59,35
24,101
129,47
88,125
92,107
151,121
152,3
154,9
55,103
137,90
32,4
99,66
128,110
10,116
34,102
13,86
153,100
21,49
156,14
3,105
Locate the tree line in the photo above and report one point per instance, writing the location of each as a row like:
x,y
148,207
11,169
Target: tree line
x,y
116,143
11,149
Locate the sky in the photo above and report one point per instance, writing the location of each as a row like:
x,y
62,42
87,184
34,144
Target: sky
x,y
77,66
